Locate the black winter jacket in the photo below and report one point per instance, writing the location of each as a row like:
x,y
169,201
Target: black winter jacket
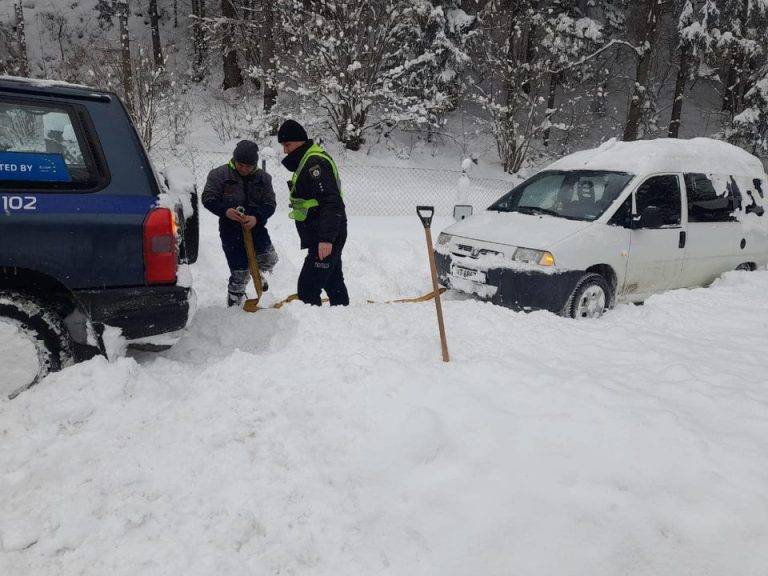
x,y
326,222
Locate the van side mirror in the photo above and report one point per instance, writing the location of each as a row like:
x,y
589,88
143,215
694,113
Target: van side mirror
x,y
462,211
650,217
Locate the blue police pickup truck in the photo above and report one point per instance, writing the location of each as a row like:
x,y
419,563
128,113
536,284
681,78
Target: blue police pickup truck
x,y
92,239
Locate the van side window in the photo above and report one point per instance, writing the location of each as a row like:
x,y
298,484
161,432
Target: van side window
x,y
44,146
664,193
704,202
747,194
758,184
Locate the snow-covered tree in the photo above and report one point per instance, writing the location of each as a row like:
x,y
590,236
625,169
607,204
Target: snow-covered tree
x,y
154,23
21,38
199,41
227,26
9,51
269,56
684,48
443,32
647,24
695,43
105,13
750,127
352,58
522,47
740,42
121,9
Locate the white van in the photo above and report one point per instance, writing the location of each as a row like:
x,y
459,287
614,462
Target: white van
x,y
617,223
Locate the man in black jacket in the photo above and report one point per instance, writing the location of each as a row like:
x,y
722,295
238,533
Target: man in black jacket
x,y
240,183
318,209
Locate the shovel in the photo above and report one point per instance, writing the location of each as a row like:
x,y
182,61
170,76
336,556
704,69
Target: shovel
x,y
251,304
425,214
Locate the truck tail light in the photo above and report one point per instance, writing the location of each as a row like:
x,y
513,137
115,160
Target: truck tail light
x,y
160,247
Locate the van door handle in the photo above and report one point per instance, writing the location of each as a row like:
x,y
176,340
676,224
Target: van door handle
x,y
683,237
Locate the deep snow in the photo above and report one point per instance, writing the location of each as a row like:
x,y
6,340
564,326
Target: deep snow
x,y
335,442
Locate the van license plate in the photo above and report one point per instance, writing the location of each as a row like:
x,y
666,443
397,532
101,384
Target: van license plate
x,y
468,274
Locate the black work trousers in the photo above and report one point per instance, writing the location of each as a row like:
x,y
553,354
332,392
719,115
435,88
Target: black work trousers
x,y
318,275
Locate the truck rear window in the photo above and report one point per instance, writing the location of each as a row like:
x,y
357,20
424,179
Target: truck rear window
x,y
45,146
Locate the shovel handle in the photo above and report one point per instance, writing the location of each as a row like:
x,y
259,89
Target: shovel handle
x,y
425,214
250,252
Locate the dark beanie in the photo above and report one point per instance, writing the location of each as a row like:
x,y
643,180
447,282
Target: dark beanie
x,y
246,152
291,131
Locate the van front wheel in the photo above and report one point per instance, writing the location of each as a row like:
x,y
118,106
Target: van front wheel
x,y
590,299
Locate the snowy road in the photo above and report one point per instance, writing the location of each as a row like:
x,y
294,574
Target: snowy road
x,y
334,442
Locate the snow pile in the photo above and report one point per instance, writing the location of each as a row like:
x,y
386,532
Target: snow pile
x,y
115,344
178,185
334,441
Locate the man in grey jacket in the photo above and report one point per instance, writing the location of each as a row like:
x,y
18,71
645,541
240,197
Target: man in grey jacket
x,y
240,183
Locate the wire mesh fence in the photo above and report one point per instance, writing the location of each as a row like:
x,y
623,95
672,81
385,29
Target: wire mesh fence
x,y
368,190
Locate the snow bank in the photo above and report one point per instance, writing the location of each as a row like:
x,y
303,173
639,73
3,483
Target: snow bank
x,y
335,442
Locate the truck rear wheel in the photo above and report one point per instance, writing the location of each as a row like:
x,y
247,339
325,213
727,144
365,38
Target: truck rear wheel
x,y
33,342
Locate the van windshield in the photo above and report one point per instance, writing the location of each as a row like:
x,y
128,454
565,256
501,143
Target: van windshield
x,y
573,194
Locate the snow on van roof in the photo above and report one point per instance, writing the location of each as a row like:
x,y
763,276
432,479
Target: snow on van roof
x,y
698,155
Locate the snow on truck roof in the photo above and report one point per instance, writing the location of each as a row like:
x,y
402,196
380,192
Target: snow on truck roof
x,y
698,155
45,85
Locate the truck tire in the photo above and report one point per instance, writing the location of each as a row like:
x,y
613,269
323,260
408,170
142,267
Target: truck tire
x,y
591,298
36,339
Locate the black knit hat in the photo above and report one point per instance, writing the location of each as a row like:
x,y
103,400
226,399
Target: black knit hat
x,y
291,131
246,152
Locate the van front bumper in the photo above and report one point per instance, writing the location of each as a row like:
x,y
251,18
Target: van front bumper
x,y
145,314
516,289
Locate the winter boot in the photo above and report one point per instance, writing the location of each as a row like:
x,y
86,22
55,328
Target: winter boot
x,y
235,299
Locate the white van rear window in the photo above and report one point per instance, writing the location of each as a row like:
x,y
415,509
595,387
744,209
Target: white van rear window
x,y
712,198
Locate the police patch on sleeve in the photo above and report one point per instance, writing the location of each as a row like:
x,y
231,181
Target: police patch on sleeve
x,y
315,171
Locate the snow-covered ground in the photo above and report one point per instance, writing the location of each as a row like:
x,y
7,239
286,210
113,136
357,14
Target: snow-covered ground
x,y
335,442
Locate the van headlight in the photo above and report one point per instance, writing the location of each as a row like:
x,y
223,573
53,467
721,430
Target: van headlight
x,y
443,239
530,256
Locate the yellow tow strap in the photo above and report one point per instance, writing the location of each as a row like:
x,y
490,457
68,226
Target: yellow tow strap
x,y
252,304
294,297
